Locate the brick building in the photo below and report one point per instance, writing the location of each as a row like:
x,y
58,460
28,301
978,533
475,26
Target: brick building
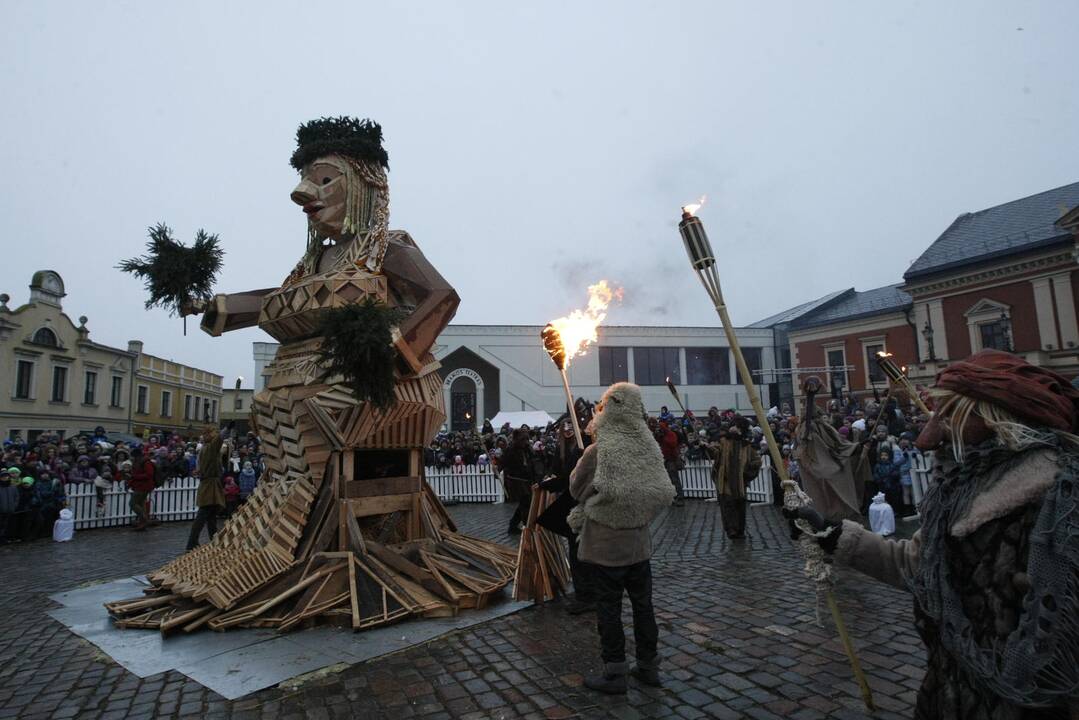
x,y
1005,277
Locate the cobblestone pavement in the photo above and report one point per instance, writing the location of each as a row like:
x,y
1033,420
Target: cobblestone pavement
x,y
737,635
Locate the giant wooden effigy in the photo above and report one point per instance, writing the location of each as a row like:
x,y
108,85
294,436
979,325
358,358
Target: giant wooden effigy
x,y
342,527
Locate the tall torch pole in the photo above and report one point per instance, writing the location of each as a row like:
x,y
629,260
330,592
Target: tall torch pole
x,y
703,261
552,343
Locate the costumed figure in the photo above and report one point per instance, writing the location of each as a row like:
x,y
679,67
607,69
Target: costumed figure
x,y
994,569
352,399
518,477
554,518
735,462
621,485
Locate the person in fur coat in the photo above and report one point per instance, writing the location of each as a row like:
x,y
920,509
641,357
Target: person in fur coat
x,y
620,485
994,568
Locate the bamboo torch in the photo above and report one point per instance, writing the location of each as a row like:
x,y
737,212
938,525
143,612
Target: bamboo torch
x,y
897,376
552,343
674,394
703,260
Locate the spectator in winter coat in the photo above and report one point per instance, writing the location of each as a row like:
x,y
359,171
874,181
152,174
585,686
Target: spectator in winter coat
x,y
83,472
9,503
668,445
248,480
886,476
232,494
141,482
47,501
211,494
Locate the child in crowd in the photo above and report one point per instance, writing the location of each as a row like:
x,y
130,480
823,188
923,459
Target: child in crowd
x,y
232,495
248,480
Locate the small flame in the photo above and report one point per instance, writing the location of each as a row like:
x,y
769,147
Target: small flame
x,y
883,354
904,369
468,416
692,208
578,329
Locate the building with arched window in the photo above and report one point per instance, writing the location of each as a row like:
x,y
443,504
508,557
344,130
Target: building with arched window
x,y
487,369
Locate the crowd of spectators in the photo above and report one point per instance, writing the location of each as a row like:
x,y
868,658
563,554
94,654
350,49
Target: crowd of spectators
x,y
889,444
36,477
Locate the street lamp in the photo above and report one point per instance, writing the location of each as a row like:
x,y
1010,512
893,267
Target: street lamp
x,y
927,333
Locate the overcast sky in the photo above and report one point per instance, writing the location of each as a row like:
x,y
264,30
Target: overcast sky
x,y
534,147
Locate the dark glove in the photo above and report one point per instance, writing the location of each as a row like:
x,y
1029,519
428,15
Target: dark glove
x,y
549,483
818,523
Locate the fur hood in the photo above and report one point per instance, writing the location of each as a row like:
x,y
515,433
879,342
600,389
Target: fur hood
x,y
631,485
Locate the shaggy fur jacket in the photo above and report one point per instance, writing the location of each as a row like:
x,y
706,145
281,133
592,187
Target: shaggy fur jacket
x,y
620,483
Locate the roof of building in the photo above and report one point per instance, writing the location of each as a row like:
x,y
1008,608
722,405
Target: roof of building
x,y
792,314
1016,226
853,305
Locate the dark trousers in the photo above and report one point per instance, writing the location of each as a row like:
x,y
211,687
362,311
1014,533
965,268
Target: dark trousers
x,y
138,506
676,479
5,522
733,511
581,572
520,515
206,516
635,581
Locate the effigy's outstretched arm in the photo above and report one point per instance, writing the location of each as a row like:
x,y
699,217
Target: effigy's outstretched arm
x,y
437,300
232,311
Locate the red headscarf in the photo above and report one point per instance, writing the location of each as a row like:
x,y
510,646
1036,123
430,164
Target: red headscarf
x,y
1033,394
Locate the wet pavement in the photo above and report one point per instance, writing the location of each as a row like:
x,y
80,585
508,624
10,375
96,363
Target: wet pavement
x,y
738,638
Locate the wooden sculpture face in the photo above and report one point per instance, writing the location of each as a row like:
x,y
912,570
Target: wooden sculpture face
x,y
322,194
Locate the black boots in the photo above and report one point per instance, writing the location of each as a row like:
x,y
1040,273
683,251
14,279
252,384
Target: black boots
x,y
612,681
647,674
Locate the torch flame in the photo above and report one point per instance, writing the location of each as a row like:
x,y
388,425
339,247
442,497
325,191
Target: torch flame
x,y
578,329
883,354
692,208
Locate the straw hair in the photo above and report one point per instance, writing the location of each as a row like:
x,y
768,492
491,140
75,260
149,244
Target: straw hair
x,y
955,411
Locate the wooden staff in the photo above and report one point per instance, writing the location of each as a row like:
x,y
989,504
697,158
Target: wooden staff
x,y
674,393
703,260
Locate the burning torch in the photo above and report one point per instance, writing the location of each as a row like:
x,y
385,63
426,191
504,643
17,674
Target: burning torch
x,y
552,343
898,377
674,394
703,260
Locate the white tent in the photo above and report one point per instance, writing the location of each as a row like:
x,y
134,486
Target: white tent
x,y
531,418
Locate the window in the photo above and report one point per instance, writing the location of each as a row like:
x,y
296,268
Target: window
x,y
206,411
213,410
876,375
166,403
238,403
89,396
995,335
752,357
837,359
708,366
187,407
59,384
116,394
24,379
653,365
613,365
142,400
45,336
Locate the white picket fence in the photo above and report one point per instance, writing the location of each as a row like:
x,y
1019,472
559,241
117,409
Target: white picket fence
x,y
175,500
697,481
921,474
469,483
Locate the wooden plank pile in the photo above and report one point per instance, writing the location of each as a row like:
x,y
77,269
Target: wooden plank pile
x,y
542,565
361,582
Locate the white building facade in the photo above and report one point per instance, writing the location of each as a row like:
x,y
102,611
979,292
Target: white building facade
x,y
492,368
